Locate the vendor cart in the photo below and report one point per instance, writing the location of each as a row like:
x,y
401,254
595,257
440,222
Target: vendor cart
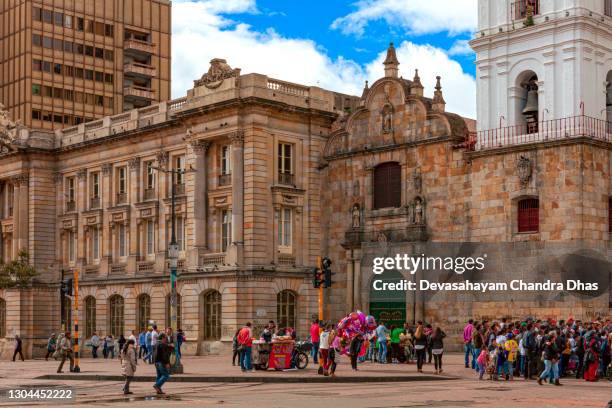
x,y
280,354
260,354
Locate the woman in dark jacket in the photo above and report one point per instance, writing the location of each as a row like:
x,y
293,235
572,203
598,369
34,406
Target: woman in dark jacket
x,y
420,345
437,348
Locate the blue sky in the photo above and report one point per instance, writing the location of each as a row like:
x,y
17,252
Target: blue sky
x,y
333,44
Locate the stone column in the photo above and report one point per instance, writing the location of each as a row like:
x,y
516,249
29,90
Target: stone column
x,y
237,246
162,237
357,279
200,199
132,227
59,210
81,205
107,201
22,209
350,301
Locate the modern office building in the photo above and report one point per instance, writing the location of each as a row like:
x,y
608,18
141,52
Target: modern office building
x,y
66,62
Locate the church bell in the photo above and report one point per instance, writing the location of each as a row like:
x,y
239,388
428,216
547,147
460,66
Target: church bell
x,y
531,106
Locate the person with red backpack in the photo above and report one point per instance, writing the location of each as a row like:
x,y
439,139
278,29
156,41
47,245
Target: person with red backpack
x,y
245,343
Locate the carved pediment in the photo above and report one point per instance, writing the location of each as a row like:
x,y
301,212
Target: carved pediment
x,y
8,130
218,72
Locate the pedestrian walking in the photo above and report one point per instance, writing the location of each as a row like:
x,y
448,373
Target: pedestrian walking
x,y
148,341
18,348
128,364
324,346
420,345
142,345
109,347
95,343
467,343
437,348
121,342
354,349
236,349
180,339
65,347
381,335
51,345
162,362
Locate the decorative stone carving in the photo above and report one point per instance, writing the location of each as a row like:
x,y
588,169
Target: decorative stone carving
x,y
134,163
381,237
356,188
8,129
81,174
419,211
162,159
417,180
218,72
106,169
237,138
356,216
387,118
200,146
58,177
524,170
340,122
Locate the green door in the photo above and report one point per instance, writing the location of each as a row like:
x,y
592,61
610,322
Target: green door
x,y
388,306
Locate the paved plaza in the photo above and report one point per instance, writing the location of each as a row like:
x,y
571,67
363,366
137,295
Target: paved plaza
x,y
459,387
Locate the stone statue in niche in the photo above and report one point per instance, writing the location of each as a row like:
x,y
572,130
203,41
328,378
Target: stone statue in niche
x,y
387,119
417,211
356,216
524,170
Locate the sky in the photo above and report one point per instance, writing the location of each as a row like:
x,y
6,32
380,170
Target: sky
x,y
334,44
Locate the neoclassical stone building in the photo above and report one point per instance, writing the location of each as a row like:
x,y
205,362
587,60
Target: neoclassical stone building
x,y
280,173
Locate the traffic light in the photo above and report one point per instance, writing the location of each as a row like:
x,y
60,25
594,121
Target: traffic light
x,y
66,287
316,277
327,273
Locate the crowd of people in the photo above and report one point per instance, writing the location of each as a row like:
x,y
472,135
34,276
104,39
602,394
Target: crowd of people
x,y
543,350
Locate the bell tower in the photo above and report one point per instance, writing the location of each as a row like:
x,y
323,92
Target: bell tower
x,y
538,60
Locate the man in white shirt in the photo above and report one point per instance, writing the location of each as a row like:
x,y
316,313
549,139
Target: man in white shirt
x,y
154,336
324,349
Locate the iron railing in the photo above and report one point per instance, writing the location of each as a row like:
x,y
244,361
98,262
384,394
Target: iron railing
x,y
518,9
286,178
550,130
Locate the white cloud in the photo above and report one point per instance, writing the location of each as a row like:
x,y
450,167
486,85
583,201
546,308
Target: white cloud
x,y
461,47
417,17
200,34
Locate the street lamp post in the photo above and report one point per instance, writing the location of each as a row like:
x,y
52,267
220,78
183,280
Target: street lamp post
x,y
173,254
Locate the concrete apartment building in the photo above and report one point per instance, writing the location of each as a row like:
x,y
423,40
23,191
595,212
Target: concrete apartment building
x,y
66,62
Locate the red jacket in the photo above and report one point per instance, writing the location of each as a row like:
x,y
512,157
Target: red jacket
x,y
244,337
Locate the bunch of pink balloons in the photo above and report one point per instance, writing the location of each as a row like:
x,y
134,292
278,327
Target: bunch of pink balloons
x,y
353,324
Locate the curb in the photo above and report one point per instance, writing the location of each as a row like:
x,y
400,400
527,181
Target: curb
x,y
248,379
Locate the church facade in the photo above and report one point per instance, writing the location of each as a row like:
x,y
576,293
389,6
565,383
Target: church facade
x,y
278,173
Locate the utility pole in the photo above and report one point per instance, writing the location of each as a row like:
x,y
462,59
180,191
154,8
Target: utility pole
x,y
77,369
319,267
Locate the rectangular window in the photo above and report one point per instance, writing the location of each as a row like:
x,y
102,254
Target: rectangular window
x,y
99,28
47,16
108,78
71,246
47,42
36,115
284,158
89,74
36,89
285,224
109,30
226,229
121,180
89,26
58,44
68,95
108,102
99,76
79,49
150,174
47,91
79,72
37,65
95,244
80,24
89,50
109,55
57,68
58,119
226,152
68,70
58,93
78,97
99,100
36,13
122,241
179,164
58,19
46,66
68,46
180,233
150,237
89,99
67,21
95,185
99,52
36,40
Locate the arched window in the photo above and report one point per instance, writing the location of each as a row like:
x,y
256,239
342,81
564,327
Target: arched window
x,y
90,316
211,311
387,185
179,320
527,106
67,314
286,308
528,215
2,318
144,311
115,315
